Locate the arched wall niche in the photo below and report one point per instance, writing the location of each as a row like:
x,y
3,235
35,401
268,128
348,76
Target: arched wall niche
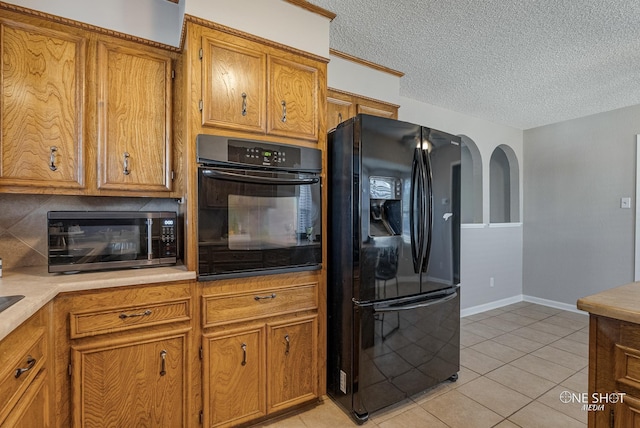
x,y
504,189
470,181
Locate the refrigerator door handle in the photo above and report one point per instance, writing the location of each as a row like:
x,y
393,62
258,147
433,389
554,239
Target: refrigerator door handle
x,y
428,209
418,305
423,207
414,204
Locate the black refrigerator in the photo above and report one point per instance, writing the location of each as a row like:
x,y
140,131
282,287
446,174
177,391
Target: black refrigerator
x,y
394,262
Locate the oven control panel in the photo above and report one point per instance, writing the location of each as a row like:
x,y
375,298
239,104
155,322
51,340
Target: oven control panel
x,y
168,237
263,154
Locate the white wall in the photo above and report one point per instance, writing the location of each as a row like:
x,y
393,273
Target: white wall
x,y
156,20
577,239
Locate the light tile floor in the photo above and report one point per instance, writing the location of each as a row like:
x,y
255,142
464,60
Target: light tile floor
x,y
515,361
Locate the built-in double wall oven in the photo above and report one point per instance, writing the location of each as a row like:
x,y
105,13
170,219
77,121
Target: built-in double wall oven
x,y
259,207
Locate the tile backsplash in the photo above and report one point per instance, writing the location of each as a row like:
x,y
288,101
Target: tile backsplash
x,y
23,221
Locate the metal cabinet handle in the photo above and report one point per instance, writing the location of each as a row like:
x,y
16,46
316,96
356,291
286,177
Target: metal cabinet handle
x,y
142,314
339,117
273,296
163,357
52,158
30,363
125,163
284,111
286,339
244,104
244,354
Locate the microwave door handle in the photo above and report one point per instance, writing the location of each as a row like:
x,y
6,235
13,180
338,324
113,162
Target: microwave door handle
x,y
149,239
230,176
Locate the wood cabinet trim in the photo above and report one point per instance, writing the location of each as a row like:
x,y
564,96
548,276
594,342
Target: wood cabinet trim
x,y
313,8
85,26
366,63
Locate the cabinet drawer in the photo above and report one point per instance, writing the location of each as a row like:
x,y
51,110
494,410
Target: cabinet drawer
x,y
95,322
250,305
19,371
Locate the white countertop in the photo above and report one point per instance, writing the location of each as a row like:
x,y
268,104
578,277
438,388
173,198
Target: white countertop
x,y
39,287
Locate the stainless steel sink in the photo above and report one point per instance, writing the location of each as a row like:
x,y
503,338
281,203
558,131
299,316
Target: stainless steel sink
x,y
6,301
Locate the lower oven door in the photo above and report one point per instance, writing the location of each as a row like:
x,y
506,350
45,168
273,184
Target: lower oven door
x,y
254,222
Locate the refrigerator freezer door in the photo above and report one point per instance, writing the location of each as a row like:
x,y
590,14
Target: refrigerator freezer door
x,y
405,348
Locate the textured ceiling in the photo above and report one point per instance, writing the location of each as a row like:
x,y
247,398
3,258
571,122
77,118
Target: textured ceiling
x,y
522,63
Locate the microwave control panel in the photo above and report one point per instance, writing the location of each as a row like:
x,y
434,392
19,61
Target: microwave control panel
x,y
168,237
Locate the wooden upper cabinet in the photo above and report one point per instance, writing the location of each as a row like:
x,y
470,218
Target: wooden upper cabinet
x,y
339,109
41,106
233,86
134,117
293,99
260,88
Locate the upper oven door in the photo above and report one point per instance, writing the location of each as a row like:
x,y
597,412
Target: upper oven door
x,y
256,221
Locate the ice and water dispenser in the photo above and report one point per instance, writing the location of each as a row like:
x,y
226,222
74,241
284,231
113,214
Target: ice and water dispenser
x,y
385,199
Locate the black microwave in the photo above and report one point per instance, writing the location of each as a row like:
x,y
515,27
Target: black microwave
x,y
97,240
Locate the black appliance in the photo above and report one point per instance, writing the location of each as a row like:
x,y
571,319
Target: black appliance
x,y
97,240
393,271
259,207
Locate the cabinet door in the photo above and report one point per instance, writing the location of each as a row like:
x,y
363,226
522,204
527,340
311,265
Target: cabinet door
x,y
233,86
627,413
338,110
292,365
134,118
32,409
41,107
140,383
234,376
389,112
293,99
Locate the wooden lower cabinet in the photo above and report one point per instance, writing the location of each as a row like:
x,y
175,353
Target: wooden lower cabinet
x,y
123,357
259,369
234,369
25,383
260,347
138,382
292,362
614,371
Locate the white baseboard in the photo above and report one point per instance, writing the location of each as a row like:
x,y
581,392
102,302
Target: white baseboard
x,y
491,305
552,304
515,299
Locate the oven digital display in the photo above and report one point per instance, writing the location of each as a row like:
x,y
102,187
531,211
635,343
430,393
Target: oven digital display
x,y
168,222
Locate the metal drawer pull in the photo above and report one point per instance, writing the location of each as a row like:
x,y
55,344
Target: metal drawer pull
x,y
142,314
273,296
244,104
30,363
339,117
284,111
244,354
286,339
163,356
125,164
52,158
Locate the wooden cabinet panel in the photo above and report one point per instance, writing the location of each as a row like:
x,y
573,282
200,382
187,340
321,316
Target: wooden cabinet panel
x,y
376,111
627,413
292,367
293,99
224,309
234,370
33,410
94,322
233,86
134,118
141,382
42,106
338,110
